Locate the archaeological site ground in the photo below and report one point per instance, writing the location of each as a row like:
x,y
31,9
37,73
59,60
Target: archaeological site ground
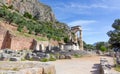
x,y
34,40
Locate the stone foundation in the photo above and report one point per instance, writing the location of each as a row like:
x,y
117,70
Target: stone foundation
x,y
71,47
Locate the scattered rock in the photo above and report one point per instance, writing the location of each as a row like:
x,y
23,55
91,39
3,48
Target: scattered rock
x,y
104,66
68,57
62,57
15,59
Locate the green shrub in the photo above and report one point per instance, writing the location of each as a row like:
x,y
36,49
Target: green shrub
x,y
52,58
103,48
77,55
27,15
23,59
66,39
45,28
117,68
4,6
10,7
44,60
15,69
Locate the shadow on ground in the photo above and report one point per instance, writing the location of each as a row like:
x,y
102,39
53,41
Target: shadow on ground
x,y
96,69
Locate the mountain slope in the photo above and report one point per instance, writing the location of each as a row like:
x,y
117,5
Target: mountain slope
x,y
36,17
34,7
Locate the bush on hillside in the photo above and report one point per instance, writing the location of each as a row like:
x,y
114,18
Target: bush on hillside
x,y
45,28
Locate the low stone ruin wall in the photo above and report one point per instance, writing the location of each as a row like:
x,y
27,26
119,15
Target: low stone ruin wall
x,y
26,68
105,67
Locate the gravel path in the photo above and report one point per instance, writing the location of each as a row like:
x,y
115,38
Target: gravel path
x,y
84,65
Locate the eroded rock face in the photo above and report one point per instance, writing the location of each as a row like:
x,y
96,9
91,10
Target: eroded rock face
x,y
34,7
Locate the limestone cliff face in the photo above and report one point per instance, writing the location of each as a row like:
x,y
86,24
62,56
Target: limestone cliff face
x,y
38,10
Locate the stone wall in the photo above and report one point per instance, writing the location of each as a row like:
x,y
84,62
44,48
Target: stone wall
x,y
2,33
71,47
9,39
1,40
18,43
13,42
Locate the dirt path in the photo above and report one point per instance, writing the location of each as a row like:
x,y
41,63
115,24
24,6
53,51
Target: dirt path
x,y
84,65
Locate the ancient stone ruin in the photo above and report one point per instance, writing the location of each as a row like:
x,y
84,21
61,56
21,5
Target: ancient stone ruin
x,y
75,37
26,68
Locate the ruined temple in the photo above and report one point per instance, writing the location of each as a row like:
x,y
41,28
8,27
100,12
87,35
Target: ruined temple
x,y
77,37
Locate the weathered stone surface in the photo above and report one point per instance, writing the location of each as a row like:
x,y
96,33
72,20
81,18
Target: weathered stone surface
x,y
62,57
26,68
104,66
47,56
118,60
42,55
68,57
48,70
5,56
15,59
36,58
8,40
31,71
28,56
76,39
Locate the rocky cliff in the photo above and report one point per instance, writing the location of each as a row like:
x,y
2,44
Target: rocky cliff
x,y
38,10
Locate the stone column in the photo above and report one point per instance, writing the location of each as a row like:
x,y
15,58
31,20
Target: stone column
x,y
9,2
80,40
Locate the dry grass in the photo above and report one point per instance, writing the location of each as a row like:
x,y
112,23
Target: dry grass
x,y
117,68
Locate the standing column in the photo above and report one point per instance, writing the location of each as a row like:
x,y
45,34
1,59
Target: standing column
x,y
9,2
80,40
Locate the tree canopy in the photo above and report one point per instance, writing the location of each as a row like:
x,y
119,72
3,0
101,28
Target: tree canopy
x,y
88,46
103,46
115,34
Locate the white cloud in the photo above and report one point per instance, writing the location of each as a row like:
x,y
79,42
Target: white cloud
x,y
81,22
69,9
79,8
83,6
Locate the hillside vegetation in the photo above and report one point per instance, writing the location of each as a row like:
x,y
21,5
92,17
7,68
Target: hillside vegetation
x,y
28,22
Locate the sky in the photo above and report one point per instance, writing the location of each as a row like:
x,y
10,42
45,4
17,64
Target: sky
x,y
94,16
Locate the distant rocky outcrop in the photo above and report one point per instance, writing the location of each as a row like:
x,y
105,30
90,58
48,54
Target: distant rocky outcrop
x,y
34,7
